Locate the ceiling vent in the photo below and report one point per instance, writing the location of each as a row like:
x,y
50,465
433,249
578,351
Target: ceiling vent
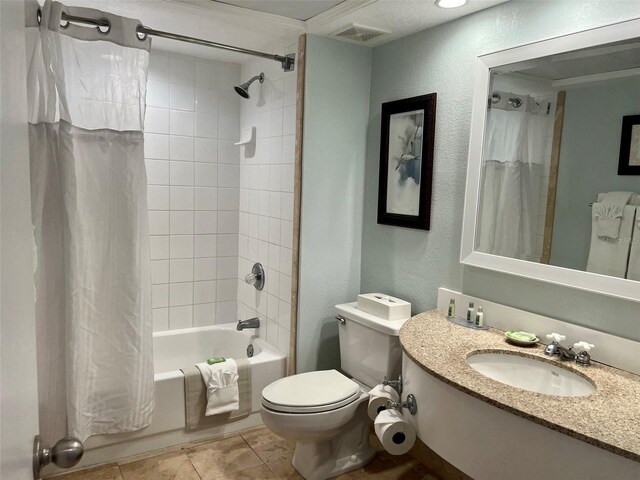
x,y
360,33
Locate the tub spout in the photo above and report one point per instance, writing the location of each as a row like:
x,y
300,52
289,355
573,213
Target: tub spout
x,y
250,323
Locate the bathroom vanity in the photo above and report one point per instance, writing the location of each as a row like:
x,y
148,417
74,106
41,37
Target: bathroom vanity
x,y
492,430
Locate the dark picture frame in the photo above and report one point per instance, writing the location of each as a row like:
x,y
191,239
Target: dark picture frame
x,y
406,162
629,163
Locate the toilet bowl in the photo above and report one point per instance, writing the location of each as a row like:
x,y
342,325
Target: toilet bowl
x,y
325,413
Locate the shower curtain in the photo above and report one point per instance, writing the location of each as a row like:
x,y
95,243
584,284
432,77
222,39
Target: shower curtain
x,y
86,88
512,169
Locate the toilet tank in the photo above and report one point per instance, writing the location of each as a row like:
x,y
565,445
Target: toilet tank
x,y
369,345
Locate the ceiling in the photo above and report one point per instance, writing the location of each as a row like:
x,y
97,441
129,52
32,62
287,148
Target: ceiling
x,y
296,9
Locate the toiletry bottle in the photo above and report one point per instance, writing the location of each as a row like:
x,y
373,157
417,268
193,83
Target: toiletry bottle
x,y
479,317
470,313
452,308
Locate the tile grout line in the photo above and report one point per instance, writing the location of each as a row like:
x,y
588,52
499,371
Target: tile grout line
x,y
182,449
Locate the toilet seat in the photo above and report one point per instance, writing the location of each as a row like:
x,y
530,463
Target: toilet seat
x,y
311,392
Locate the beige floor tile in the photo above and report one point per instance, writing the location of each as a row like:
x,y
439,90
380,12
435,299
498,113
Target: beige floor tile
x,y
222,457
170,466
110,471
260,472
283,470
269,446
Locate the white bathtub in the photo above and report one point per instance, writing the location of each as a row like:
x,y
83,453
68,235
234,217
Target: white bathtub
x,y
173,350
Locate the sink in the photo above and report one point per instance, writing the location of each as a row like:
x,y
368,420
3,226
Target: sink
x,y
530,373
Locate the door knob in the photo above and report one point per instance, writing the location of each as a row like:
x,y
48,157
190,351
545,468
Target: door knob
x,y
66,453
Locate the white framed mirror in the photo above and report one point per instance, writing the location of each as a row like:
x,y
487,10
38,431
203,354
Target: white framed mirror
x,y
544,195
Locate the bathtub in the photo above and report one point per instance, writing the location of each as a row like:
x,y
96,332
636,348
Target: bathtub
x,y
173,350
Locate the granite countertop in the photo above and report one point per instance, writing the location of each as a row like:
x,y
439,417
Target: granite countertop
x,y
609,418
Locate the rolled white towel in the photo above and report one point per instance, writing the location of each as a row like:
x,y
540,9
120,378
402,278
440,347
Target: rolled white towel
x,y
221,380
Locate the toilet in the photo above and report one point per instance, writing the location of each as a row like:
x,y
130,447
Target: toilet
x,y
325,412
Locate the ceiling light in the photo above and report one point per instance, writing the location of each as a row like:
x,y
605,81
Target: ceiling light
x,y
450,3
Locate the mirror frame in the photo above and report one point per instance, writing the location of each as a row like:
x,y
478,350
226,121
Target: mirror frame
x,y
592,282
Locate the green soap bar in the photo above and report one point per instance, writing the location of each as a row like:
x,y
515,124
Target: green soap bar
x,y
211,361
522,336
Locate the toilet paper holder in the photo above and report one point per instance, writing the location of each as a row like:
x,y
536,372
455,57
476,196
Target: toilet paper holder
x,y
397,384
410,404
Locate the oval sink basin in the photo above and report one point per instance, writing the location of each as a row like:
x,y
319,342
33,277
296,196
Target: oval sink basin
x,y
531,374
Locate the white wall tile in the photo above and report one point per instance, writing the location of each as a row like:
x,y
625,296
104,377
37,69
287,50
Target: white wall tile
x,y
228,199
228,245
206,174
156,120
226,312
205,246
181,246
284,314
287,177
274,231
159,272
226,290
272,333
206,222
206,198
181,97
207,74
286,234
228,221
276,205
181,198
204,269
181,222
204,292
287,206
181,317
180,294
183,70
181,123
284,292
228,152
275,178
158,223
206,150
275,150
159,67
206,125
159,247
181,148
228,127
227,268
288,149
157,197
181,270
284,339
285,260
181,173
274,257
275,122
157,172
156,146
206,100
160,319
159,296
204,314
158,94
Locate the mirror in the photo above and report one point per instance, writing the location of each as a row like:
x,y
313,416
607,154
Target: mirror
x,y
553,186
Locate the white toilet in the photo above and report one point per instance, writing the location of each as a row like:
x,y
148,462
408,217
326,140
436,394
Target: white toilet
x,y
325,412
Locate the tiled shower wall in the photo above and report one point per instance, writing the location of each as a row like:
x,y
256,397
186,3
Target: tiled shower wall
x,y
266,198
192,121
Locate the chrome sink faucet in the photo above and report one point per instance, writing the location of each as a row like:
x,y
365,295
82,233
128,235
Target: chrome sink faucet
x,y
556,349
250,323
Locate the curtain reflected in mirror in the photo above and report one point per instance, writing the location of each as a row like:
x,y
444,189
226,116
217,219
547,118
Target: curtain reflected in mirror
x,y
551,190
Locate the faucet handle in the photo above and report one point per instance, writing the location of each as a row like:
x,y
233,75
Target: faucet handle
x,y
556,337
584,346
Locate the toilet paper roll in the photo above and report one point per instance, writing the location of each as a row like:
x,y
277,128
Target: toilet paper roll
x,y
395,433
378,398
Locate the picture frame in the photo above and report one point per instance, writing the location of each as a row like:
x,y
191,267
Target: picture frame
x,y
629,163
406,162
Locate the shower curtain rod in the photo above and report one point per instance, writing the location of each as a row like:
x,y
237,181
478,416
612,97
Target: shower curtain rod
x,y
286,61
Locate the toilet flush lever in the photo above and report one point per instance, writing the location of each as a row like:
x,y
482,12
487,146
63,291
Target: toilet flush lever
x,y
341,319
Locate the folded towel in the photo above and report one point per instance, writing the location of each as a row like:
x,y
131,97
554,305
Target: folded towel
x,y
609,213
633,272
609,256
221,380
195,394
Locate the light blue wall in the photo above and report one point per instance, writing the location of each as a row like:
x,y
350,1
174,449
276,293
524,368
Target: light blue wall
x,y
412,264
336,112
589,163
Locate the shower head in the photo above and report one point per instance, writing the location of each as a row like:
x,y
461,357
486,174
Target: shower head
x,y
243,88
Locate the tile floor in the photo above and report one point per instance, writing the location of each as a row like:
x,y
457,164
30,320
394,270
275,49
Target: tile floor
x,y
257,454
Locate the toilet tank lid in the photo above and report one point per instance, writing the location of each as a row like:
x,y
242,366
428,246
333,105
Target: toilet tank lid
x,y
382,325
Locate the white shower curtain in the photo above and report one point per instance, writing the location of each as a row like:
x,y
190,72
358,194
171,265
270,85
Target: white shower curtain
x,y
512,169
89,210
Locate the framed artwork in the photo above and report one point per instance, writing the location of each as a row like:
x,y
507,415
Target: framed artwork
x,y
629,163
406,162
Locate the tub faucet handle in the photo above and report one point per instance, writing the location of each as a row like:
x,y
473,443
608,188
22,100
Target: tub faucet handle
x,y
556,337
